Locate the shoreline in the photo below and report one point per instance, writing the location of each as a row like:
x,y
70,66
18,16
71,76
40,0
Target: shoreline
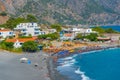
x,y
53,73
86,49
52,64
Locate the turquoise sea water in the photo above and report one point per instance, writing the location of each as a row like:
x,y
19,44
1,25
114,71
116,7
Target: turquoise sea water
x,y
95,65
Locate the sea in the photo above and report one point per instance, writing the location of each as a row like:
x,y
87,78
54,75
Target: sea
x,y
93,65
117,28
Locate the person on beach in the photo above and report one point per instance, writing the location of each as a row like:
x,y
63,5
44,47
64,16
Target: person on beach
x,y
36,64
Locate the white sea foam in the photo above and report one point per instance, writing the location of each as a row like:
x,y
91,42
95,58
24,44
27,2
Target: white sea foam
x,y
73,61
68,63
68,58
83,76
75,55
65,59
91,52
113,48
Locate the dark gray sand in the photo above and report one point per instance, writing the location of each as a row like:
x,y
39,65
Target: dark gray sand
x,y
54,74
12,69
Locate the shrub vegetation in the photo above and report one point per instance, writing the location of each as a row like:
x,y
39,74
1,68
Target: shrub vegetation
x,y
30,46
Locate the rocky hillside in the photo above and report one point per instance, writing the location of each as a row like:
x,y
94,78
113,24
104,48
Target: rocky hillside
x,y
66,11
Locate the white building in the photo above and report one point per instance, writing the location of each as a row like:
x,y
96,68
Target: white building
x,y
6,33
29,29
82,30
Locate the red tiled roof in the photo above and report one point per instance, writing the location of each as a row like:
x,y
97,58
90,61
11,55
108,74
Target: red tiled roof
x,y
67,35
21,39
4,30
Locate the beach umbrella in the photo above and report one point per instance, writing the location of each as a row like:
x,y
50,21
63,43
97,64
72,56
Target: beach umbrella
x,y
23,60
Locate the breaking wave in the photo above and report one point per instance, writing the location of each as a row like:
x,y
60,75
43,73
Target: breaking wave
x,y
83,76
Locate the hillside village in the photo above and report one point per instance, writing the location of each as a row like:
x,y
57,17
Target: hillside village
x,y
33,30
25,32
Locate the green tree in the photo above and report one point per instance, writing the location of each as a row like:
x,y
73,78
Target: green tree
x,y
92,37
7,45
98,29
42,36
79,36
29,36
31,18
12,22
109,30
52,36
3,14
30,46
58,27
3,25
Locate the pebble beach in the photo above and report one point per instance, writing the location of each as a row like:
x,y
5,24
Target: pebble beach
x,y
12,69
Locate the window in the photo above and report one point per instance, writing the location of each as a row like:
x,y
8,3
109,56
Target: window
x,y
36,29
36,33
10,32
24,30
21,43
24,34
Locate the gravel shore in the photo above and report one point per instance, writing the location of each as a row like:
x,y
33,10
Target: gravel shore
x,y
54,74
12,69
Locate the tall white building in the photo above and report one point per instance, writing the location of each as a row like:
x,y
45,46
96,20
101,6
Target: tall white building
x,y
29,29
6,33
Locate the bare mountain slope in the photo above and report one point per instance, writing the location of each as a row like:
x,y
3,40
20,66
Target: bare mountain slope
x,y
66,11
